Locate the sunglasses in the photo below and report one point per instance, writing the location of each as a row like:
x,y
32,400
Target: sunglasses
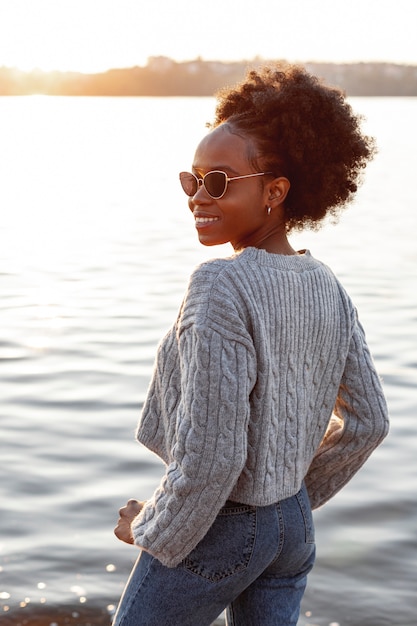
x,y
215,183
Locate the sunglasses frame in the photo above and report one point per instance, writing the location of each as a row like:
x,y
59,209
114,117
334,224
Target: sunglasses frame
x,y
200,181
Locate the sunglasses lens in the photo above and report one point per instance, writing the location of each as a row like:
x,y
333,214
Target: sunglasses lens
x,y
215,183
189,183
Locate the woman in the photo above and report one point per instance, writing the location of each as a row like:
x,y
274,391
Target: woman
x,y
264,400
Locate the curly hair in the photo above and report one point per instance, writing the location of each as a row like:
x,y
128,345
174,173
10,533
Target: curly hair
x,y
303,130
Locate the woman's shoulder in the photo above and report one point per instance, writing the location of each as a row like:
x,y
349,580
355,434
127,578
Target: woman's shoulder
x,y
213,274
214,267
208,279
213,297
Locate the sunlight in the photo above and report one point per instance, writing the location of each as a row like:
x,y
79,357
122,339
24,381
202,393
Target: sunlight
x,y
87,36
38,343
56,35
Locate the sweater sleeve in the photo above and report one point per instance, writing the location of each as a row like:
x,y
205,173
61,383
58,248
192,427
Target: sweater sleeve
x,y
358,425
210,446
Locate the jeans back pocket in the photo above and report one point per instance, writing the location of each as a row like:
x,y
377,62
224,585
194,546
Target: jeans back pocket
x,y
228,545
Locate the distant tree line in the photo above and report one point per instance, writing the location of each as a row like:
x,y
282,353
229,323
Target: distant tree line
x,y
165,77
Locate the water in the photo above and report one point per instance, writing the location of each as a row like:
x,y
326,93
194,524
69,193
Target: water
x,y
96,248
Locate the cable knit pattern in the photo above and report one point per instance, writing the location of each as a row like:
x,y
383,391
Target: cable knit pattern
x,y
265,380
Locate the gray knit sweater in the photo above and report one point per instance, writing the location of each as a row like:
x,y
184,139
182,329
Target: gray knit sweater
x,y
265,380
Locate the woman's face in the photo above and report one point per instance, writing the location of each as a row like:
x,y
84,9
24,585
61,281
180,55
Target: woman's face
x,y
240,216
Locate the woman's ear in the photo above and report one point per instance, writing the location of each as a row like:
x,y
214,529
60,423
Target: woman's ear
x,y
277,191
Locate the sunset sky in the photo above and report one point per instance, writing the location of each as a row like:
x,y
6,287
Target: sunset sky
x,y
94,35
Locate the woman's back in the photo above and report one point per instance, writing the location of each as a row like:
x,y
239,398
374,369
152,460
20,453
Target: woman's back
x,y
245,385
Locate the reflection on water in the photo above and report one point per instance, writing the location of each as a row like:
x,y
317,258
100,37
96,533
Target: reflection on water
x,y
96,249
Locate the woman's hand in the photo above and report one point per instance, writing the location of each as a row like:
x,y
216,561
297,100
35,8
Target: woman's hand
x,y
127,514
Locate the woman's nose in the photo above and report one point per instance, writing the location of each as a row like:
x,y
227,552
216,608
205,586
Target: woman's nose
x,y
199,198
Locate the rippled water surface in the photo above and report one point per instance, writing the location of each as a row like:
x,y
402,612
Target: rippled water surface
x,y
96,248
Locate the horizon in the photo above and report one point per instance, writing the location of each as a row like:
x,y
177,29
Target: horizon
x,y
200,59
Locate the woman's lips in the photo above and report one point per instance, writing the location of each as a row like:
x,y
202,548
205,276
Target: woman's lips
x,y
201,222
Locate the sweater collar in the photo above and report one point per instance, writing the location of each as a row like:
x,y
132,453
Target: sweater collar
x,y
296,262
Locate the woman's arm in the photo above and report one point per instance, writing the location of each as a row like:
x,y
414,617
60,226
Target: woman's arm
x,y
358,426
209,448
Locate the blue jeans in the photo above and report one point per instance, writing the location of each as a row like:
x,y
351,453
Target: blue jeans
x,y
253,561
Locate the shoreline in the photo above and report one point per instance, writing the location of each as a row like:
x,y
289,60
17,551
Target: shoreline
x,y
31,615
